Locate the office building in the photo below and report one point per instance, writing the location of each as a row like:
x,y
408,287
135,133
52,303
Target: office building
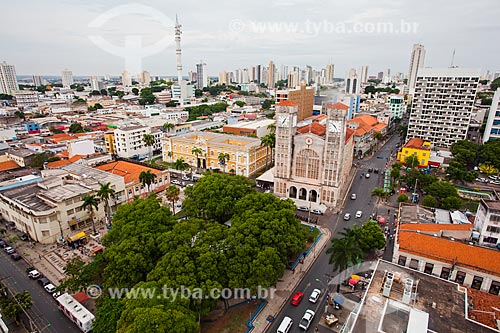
x,y
293,79
246,155
126,79
313,161
416,62
302,95
492,130
201,75
352,82
8,79
442,104
67,78
364,75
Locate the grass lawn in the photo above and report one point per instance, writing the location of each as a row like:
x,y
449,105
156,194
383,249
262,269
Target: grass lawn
x,y
470,205
311,236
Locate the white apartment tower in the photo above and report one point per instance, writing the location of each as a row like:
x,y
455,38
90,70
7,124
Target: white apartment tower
x,y
126,78
352,82
37,80
442,104
8,79
364,74
201,75
95,83
492,130
145,77
271,75
416,61
329,74
67,78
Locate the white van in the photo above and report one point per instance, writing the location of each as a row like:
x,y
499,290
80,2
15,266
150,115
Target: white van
x,y
285,325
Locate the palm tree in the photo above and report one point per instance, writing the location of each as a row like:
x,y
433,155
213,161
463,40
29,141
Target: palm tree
x,y
91,202
180,164
343,252
269,142
172,194
170,154
272,128
350,232
105,193
168,126
147,178
196,151
379,193
223,159
149,141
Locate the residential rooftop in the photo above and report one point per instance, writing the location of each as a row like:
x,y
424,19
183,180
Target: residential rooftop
x,y
128,170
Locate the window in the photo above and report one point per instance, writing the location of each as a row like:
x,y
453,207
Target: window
x,y
494,288
494,229
402,261
490,240
445,273
45,233
428,268
477,282
414,264
460,277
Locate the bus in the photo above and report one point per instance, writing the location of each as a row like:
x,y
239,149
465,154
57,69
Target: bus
x,y
76,312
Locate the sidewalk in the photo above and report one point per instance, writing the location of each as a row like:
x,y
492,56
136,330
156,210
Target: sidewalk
x,y
288,283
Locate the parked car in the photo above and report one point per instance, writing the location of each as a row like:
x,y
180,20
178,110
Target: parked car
x,y
493,177
185,178
359,214
314,295
34,274
189,185
306,320
15,256
29,269
23,236
3,243
353,196
43,281
303,209
297,297
176,182
10,225
173,175
9,250
317,212
347,216
367,175
50,288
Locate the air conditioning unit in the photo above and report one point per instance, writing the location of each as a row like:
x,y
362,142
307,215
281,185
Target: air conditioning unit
x,y
388,284
407,291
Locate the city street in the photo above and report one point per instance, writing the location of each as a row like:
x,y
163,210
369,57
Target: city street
x,y
318,275
44,311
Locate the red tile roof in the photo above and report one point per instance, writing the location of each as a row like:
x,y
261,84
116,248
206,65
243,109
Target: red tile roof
x,y
379,127
338,106
416,143
486,307
75,158
129,171
444,250
314,128
434,227
287,102
8,165
349,133
57,164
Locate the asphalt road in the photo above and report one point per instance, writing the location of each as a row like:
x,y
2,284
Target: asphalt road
x,y
321,271
44,311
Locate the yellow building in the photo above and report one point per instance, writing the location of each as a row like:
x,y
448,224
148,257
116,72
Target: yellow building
x,y
417,147
109,142
246,155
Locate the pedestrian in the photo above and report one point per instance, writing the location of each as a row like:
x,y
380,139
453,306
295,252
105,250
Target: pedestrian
x,y
316,329
40,256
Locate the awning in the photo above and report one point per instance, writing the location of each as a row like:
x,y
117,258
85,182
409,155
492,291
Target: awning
x,y
76,237
267,176
338,299
381,220
355,277
97,248
353,282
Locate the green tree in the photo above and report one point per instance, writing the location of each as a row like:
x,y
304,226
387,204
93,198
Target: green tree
x,y
378,136
104,92
268,141
458,171
168,126
223,159
39,159
149,141
412,161
395,173
172,193
6,97
13,307
147,97
266,105
105,193
240,103
370,237
343,252
108,312
495,84
170,154
402,198
200,203
95,93
441,190
465,152
147,178
429,201
197,151
379,193
20,115
76,128
91,202
451,203
490,153
171,104
73,281
181,165
135,91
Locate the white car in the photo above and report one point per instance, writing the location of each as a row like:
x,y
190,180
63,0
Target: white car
x,y
186,178
359,214
50,288
353,196
317,212
9,250
176,182
314,295
306,320
347,216
367,175
34,274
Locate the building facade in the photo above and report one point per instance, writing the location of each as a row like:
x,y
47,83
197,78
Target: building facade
x,y
492,130
352,83
256,128
67,78
442,104
416,147
364,128
416,62
129,141
246,155
8,79
397,106
312,162
201,75
487,222
303,96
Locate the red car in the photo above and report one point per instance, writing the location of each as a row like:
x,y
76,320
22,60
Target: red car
x,y
297,298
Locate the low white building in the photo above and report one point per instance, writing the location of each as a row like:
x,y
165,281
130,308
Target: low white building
x,y
82,147
487,222
492,130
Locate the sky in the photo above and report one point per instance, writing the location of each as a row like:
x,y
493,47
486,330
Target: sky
x,y
97,37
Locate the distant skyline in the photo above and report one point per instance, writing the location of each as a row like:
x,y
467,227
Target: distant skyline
x,y
46,37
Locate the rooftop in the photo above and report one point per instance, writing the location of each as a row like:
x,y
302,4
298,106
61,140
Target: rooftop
x,y
129,171
27,197
131,128
21,152
443,311
252,124
338,106
202,138
314,128
8,165
416,143
448,72
287,102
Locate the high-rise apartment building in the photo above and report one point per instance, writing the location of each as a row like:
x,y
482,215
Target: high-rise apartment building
x,y
442,104
271,75
201,75
364,74
8,79
145,77
293,79
37,80
67,78
352,82
224,78
126,79
416,62
96,83
302,95
329,74
492,130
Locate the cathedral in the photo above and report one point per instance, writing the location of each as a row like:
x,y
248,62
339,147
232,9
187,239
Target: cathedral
x,y
312,161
